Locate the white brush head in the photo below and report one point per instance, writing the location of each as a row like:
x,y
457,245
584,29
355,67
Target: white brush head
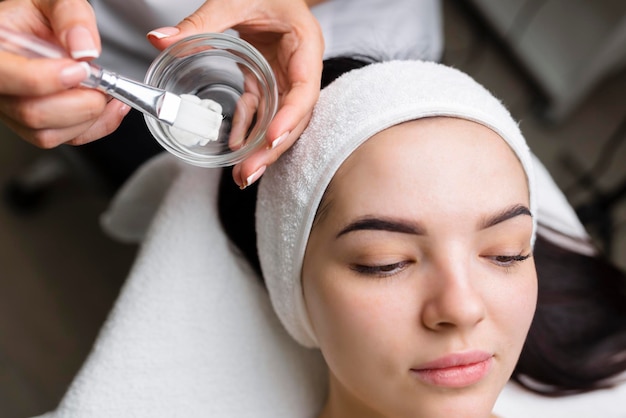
x,y
198,120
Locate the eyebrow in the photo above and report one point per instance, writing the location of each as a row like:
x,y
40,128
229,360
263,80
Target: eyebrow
x,y
383,224
506,214
371,223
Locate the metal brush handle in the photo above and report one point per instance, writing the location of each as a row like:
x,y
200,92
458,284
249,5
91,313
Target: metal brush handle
x,y
135,94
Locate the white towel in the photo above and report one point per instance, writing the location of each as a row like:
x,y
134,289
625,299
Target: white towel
x,y
557,220
193,333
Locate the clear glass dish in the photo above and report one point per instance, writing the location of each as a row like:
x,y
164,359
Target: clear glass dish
x,y
231,72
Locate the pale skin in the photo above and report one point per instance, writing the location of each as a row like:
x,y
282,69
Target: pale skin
x,y
421,252
39,101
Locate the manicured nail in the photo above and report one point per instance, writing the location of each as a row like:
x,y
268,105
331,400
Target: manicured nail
x,y
254,177
73,75
163,32
278,140
81,44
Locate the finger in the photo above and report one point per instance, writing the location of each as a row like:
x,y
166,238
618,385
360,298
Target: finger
x,y
253,167
304,77
74,24
36,77
289,122
67,108
212,16
78,134
293,115
108,122
243,116
272,154
250,170
48,138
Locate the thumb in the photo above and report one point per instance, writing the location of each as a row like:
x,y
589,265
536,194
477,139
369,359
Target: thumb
x,y
74,25
212,16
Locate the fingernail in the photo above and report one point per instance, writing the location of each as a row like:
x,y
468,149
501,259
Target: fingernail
x,y
73,75
278,140
124,109
81,44
254,177
163,32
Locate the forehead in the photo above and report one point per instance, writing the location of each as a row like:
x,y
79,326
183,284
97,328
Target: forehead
x,y
438,160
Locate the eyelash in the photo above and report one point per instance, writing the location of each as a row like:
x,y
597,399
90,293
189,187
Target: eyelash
x,y
509,261
385,270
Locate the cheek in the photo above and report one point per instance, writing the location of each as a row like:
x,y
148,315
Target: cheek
x,y
335,310
514,309
527,300
351,321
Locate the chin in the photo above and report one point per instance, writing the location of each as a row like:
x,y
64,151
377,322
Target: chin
x,y
472,402
477,408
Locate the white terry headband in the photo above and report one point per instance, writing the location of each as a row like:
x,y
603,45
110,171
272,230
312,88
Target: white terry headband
x,y
350,110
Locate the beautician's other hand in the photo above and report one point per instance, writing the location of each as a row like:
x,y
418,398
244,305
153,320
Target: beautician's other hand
x,y
37,98
289,36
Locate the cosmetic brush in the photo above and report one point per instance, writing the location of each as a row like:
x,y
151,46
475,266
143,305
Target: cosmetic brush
x,y
181,112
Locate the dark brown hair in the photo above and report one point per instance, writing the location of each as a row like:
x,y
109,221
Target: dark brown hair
x,y
577,340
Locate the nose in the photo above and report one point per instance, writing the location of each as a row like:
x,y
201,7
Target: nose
x,y
454,299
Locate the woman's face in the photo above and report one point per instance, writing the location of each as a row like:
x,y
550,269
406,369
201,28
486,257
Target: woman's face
x,y
418,276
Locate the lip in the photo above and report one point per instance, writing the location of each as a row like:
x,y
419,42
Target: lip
x,y
456,370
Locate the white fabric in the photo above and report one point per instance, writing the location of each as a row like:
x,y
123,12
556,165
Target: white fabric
x,y
382,30
349,111
378,29
558,221
516,402
192,333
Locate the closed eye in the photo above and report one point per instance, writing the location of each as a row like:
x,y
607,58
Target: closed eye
x,y
384,270
509,260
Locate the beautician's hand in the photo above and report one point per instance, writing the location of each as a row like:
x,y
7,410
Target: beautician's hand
x,y
289,37
37,98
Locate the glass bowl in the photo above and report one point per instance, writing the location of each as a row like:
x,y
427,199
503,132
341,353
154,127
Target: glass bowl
x,y
229,71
